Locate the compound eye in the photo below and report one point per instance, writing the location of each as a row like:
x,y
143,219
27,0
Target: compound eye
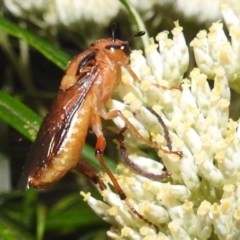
x,y
124,47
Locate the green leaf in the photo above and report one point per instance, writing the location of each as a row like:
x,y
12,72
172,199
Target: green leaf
x,y
41,221
72,218
20,117
48,50
9,230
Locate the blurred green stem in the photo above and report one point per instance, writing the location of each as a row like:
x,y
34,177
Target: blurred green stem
x,y
137,20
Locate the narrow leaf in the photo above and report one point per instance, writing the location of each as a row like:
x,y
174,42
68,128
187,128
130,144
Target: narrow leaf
x,y
48,50
20,117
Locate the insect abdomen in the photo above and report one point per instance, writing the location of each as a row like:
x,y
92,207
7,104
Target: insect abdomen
x,y
68,153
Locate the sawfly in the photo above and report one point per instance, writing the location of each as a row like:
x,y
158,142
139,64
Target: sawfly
x,y
87,85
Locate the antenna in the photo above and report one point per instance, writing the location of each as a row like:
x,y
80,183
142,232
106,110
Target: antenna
x,y
113,27
139,34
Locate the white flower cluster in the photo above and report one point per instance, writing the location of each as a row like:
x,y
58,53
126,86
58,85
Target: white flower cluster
x,y
203,10
201,199
68,12
213,49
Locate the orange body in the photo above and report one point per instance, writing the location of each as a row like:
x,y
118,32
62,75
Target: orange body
x,y
85,88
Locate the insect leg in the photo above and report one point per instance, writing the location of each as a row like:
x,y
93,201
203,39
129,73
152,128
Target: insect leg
x,y
136,79
165,129
99,149
90,172
134,166
117,113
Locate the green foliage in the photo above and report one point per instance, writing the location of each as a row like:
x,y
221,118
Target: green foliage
x,y
49,51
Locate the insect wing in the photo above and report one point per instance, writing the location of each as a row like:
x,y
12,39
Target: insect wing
x,y
55,127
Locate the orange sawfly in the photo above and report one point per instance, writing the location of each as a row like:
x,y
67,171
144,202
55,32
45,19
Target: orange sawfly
x,y
87,85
